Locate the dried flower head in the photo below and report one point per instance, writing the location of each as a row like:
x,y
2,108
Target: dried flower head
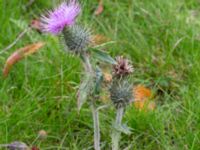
x,y
63,15
42,134
121,93
76,38
123,67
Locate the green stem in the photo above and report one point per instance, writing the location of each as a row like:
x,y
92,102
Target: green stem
x,y
86,63
95,114
116,135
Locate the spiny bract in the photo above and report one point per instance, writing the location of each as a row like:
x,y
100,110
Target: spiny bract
x,y
76,38
121,92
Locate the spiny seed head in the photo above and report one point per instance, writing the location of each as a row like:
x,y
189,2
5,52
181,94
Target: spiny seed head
x,y
76,38
121,92
123,67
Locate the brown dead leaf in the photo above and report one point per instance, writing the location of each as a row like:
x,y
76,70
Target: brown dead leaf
x,y
107,77
106,70
36,24
142,97
20,54
99,39
100,8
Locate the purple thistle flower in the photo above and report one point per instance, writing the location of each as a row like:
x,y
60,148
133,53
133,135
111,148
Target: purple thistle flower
x,y
63,15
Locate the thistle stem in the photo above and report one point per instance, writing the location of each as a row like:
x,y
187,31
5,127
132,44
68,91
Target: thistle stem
x,y
87,64
94,109
95,115
116,135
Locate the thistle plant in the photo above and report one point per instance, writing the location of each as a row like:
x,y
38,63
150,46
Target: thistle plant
x,y
77,40
121,95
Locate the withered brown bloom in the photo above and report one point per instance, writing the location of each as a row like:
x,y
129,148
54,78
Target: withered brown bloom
x,y
123,67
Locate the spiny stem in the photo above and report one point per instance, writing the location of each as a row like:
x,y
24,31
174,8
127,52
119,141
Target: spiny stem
x,y
87,64
117,134
95,115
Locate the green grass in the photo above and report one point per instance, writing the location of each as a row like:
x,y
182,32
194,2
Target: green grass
x,y
161,37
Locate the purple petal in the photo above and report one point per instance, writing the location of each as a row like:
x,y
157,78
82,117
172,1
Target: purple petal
x,y
63,15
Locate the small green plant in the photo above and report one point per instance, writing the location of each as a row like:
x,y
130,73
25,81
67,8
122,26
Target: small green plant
x,y
77,40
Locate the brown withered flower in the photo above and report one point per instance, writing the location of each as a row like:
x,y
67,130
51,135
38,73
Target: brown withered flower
x,y
123,67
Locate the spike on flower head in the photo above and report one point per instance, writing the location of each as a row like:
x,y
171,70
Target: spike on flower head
x,y
123,67
63,15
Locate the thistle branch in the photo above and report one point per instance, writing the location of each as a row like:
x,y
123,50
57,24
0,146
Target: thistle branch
x,y
86,63
95,115
94,109
116,135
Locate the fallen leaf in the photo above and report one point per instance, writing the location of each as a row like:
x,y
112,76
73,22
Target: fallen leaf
x,y
107,77
17,146
142,97
99,39
100,8
20,54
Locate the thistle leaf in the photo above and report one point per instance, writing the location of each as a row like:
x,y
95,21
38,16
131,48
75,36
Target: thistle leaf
x,y
84,90
99,80
102,56
123,128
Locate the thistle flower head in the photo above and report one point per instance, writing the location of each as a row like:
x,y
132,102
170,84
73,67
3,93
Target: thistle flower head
x,y
121,93
123,67
63,15
76,38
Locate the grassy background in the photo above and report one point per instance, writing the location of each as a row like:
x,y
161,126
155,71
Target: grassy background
x,y
160,37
